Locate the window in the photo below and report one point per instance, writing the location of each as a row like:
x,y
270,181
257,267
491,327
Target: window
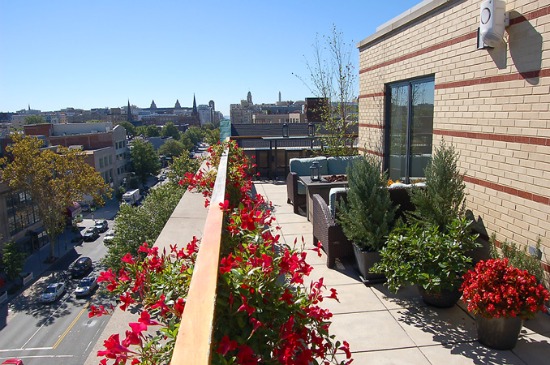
x,y
22,212
409,128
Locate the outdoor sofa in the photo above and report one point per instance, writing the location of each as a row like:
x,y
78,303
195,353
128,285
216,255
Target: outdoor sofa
x,y
296,191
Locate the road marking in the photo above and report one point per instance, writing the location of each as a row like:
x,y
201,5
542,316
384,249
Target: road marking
x,y
29,349
70,326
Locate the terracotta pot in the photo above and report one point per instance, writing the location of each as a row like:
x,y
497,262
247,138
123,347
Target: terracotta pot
x,y
442,299
365,261
499,333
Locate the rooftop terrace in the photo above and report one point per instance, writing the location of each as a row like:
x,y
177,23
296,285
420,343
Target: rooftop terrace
x,y
381,328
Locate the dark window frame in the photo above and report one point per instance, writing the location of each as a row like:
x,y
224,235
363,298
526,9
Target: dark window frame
x,y
387,120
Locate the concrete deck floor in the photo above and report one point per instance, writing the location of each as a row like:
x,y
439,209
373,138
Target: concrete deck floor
x,y
386,328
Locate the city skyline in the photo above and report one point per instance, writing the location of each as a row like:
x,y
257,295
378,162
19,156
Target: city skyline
x,y
94,55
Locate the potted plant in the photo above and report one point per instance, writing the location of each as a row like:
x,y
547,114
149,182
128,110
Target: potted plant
x,y
442,199
501,296
367,213
430,258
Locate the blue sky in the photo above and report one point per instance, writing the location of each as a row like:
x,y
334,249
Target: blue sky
x,y
91,54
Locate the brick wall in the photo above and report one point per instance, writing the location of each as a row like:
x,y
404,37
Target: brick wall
x,y
492,105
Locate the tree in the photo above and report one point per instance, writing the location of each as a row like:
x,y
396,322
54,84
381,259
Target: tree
x,y
181,165
13,260
144,159
170,130
195,135
53,180
152,131
186,142
130,129
333,77
212,136
35,119
135,225
171,148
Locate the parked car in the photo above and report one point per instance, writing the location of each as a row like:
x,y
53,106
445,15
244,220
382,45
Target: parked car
x,y
86,286
91,234
13,361
81,267
85,207
52,293
101,225
109,236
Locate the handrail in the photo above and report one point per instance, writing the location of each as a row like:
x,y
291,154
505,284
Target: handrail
x,y
194,341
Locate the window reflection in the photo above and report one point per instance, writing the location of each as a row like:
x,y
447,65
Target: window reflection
x,y
410,128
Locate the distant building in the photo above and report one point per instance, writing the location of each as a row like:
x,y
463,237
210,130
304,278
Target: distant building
x,y
282,112
159,116
106,148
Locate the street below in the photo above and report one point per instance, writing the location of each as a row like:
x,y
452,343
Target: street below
x,y
60,332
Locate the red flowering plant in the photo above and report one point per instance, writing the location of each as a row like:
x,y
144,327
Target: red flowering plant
x,y
495,289
265,311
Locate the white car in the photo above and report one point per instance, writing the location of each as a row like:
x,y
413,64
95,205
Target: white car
x,y
52,293
109,236
86,286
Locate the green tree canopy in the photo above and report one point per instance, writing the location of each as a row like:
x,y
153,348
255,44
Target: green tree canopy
x,y
171,148
54,180
135,225
130,129
181,165
152,131
12,259
144,159
212,136
186,142
35,119
195,134
170,130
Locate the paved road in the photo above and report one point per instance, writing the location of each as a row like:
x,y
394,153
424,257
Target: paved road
x,y
61,332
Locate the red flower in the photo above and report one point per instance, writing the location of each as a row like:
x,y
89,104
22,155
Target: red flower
x,y
97,311
115,350
226,345
126,299
495,289
128,259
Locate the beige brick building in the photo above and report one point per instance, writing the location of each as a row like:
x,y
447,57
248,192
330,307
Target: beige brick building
x,y
423,78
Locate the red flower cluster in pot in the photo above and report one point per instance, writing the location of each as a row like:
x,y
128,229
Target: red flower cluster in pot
x,y
494,289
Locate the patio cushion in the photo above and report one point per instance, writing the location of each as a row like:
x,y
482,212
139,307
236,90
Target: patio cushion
x,y
338,165
301,165
332,199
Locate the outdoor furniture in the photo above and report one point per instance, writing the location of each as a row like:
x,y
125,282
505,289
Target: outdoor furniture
x,y
399,195
321,187
296,190
327,230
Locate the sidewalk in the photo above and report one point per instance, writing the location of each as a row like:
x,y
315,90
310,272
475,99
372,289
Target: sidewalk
x,y
386,328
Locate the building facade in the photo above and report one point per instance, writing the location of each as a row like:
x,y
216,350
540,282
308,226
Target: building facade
x,y
423,78
106,148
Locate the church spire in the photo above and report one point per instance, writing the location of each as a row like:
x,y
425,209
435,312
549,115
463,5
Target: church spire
x,y
129,115
195,111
